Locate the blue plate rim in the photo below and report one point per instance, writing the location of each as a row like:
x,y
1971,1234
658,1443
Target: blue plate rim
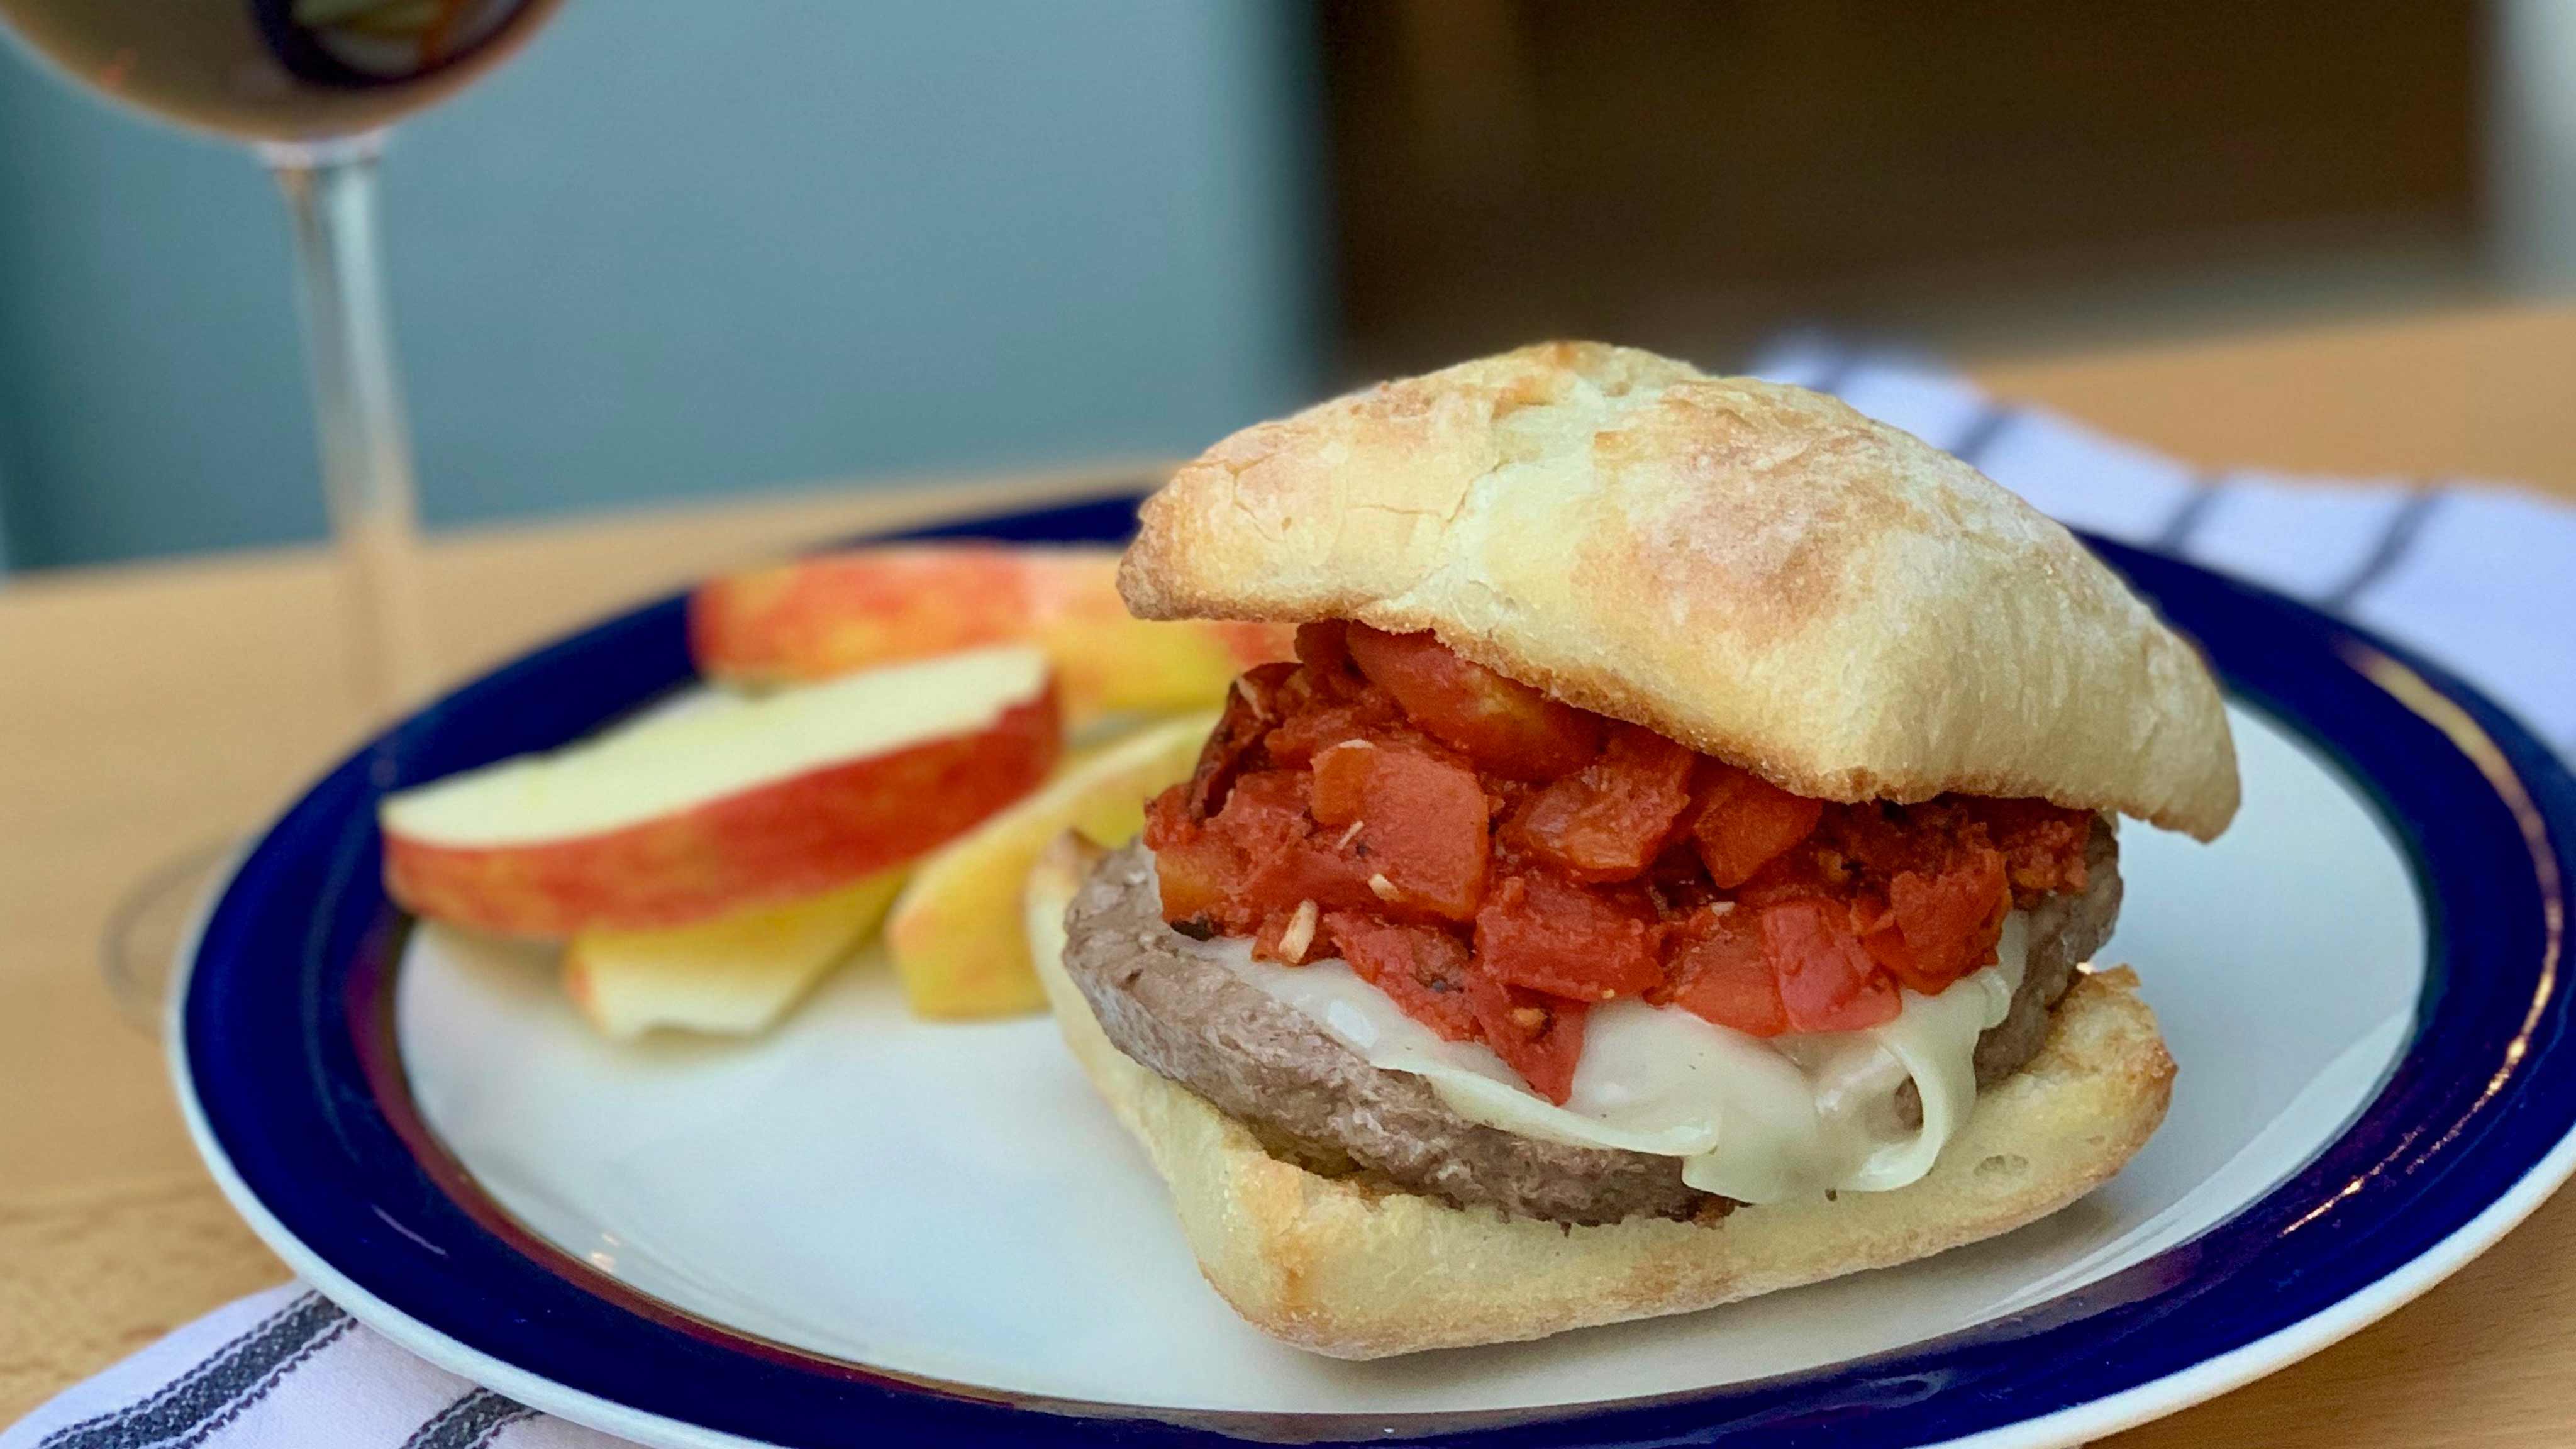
x,y
2072,1426
2513,751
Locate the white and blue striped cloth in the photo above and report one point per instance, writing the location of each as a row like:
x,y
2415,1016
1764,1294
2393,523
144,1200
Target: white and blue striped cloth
x,y
2480,576
285,1369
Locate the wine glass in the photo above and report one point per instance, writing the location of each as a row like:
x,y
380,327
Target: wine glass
x,y
310,86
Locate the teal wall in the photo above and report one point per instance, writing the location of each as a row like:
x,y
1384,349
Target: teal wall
x,y
679,248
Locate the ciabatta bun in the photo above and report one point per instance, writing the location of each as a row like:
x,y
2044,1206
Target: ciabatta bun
x,y
1757,571
1342,1269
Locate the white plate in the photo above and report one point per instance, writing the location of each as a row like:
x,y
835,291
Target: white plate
x,y
870,1230
953,1202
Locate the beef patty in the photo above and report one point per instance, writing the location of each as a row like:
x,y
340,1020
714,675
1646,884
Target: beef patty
x,y
1313,1101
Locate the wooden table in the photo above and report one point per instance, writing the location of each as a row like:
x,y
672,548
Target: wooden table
x,y
145,711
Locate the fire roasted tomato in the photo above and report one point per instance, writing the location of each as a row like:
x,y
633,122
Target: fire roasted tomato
x,y
1745,821
1368,715
1193,874
1422,969
1346,805
1501,724
1249,714
1546,935
1720,974
1320,645
1258,857
1342,776
1326,701
2042,844
1939,926
1537,1035
1827,982
1609,820
1195,869
1416,822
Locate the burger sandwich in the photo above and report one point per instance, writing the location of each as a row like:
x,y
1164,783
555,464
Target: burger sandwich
x,y
1668,871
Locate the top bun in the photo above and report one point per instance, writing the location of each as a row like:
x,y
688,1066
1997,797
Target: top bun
x,y
1757,571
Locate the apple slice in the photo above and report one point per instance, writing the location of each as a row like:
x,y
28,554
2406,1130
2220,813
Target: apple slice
x,y
734,975
725,802
956,935
825,615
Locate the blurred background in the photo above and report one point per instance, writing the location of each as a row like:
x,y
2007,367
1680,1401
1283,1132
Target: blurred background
x,y
677,251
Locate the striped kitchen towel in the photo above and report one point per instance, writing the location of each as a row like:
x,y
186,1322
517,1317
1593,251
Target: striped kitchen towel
x,y
285,1368
2480,576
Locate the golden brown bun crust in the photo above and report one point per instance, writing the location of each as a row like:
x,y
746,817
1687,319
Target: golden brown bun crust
x,y
1343,1270
1755,570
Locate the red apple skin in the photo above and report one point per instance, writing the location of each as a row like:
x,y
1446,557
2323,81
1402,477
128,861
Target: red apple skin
x,y
793,837
837,612
832,613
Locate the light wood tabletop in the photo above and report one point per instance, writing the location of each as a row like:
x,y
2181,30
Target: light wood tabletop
x,y
151,710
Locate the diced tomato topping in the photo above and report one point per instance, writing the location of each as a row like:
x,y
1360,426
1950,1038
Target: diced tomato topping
x,y
1320,646
1827,982
1266,811
1345,806
1260,855
1746,821
1939,926
1677,884
1194,871
1342,776
1879,840
1312,870
1544,934
1536,1035
1194,876
1609,820
1720,974
1168,819
1249,714
1371,715
1416,822
1502,724
2042,844
1422,969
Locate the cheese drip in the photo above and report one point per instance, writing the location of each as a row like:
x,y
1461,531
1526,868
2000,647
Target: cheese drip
x,y
1754,1119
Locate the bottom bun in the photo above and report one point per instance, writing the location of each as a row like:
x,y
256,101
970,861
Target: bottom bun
x,y
1342,1268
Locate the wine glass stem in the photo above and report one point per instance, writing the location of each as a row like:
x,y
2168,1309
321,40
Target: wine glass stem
x,y
330,190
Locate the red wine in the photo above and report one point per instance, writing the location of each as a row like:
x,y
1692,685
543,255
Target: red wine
x,y
277,70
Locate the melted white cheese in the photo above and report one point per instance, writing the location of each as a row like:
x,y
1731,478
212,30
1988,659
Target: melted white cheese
x,y
1753,1119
